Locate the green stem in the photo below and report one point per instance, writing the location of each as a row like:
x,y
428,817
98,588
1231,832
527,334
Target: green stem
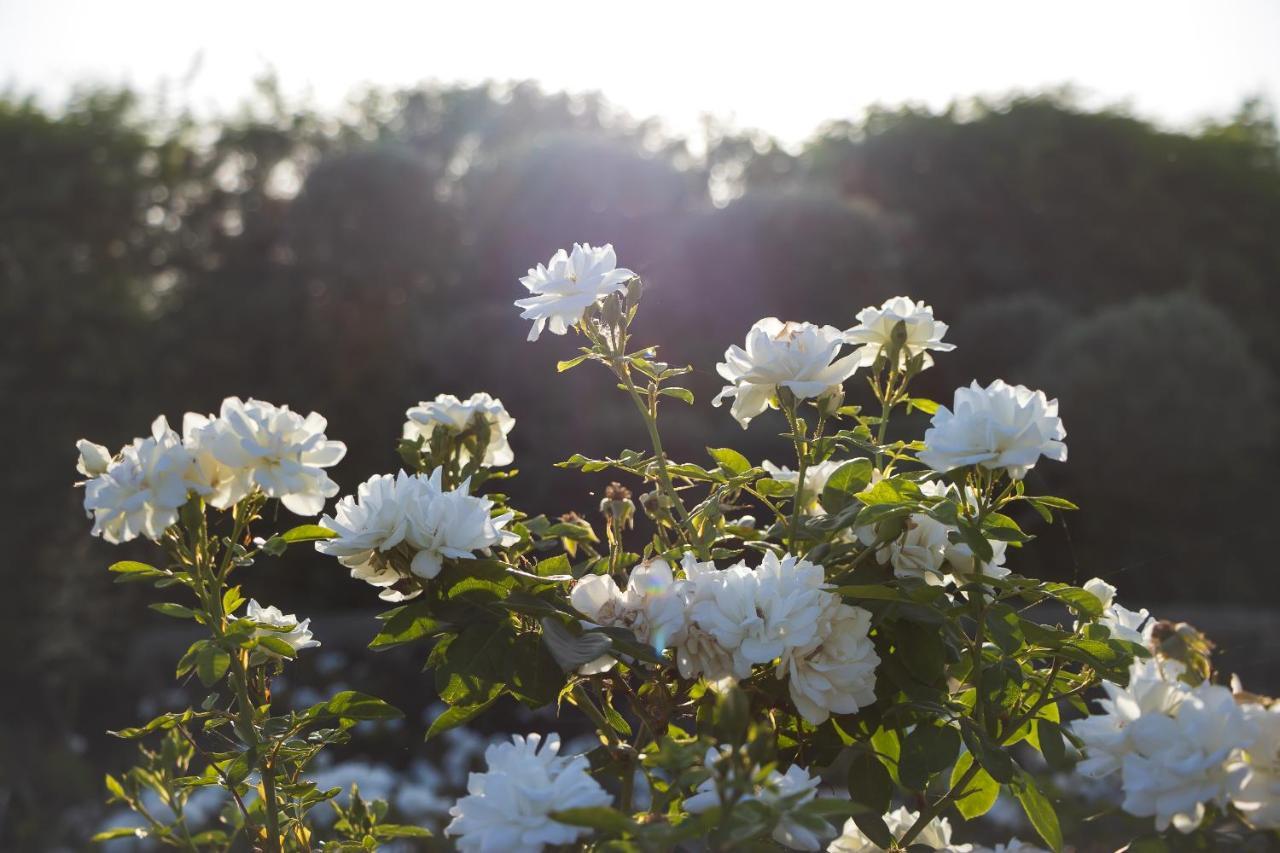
x,y
239,677
651,424
802,462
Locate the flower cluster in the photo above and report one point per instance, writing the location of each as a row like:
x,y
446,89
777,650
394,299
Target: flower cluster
x,y
397,531
480,413
724,622
1179,747
248,447
509,806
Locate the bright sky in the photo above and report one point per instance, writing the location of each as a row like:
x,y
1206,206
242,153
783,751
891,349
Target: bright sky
x,y
782,67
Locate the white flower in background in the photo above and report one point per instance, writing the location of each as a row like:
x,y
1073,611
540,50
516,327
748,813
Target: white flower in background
x,y
836,673
773,791
508,807
796,783
276,450
220,485
874,332
568,285
449,413
450,524
296,633
94,458
652,606
1257,795
1124,624
936,834
141,490
369,525
815,480
801,357
1014,845
998,427
1154,689
1181,762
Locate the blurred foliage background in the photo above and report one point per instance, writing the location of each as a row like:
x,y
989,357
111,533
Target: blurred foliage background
x,y
358,263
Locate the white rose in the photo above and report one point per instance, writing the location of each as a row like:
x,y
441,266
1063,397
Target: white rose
x,y
370,525
1154,690
874,331
141,490
449,413
568,285
837,672
998,427
449,524
1257,795
801,357
296,633
1124,624
509,805
936,834
1181,762
274,449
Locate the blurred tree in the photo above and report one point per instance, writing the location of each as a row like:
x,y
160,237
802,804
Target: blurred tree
x,y
1158,392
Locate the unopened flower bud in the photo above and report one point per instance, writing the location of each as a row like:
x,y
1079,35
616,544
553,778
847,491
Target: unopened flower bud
x,y
617,505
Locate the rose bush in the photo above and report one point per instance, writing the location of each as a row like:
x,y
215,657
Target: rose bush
x,y
837,653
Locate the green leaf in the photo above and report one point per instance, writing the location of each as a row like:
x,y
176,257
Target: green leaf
x,y
119,832
211,664
406,624
679,393
929,407
1084,603
459,715
927,750
307,533
133,567
874,827
114,787
1050,742
351,705
474,661
772,488
891,491
277,646
979,794
400,830
536,679
569,364
177,611
986,752
1038,810
730,460
601,818
869,781
977,543
845,482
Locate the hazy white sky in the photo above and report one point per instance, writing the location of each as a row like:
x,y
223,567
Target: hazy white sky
x,y
780,66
